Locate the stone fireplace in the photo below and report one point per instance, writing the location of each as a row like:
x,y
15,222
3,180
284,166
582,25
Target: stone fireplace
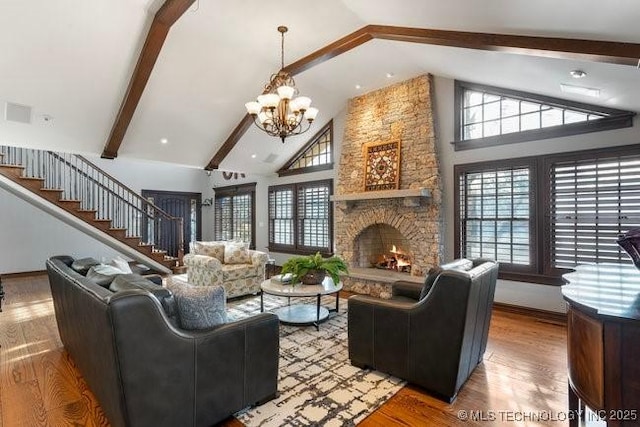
x,y
368,224
384,247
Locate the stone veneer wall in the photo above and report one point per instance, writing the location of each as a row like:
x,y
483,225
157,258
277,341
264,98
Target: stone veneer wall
x,y
399,112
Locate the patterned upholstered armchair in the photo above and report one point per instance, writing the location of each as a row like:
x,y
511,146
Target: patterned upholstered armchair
x,y
228,264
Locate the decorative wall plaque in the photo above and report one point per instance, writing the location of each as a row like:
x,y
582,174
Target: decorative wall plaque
x,y
381,166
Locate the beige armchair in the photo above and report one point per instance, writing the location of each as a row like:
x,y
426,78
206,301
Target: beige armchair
x,y
228,264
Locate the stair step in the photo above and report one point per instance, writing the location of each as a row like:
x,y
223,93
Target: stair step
x,y
34,184
87,215
52,194
70,204
13,170
119,233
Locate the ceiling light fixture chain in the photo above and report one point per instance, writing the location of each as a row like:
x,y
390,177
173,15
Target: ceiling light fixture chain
x,y
277,111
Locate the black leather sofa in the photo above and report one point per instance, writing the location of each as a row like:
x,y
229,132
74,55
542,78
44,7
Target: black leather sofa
x,y
434,340
143,369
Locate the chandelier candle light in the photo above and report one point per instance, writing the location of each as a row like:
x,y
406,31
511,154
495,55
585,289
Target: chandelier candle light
x,y
277,112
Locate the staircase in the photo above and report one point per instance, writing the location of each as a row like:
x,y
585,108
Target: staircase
x,y
124,219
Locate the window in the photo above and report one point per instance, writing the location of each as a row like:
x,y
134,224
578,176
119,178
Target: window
x,y
540,216
235,213
496,214
593,200
301,217
487,115
316,155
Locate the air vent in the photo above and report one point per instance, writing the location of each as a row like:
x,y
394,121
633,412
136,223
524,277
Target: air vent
x,y
17,113
271,158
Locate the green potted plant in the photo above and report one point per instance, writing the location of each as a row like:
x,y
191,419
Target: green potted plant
x,y
312,269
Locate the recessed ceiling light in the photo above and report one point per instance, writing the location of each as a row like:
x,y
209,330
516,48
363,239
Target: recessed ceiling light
x,y
164,140
389,75
577,74
253,156
580,90
358,87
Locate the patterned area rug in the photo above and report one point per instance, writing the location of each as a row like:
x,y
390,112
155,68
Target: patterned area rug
x,y
317,385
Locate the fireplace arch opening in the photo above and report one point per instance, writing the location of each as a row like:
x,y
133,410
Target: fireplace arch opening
x,y
382,246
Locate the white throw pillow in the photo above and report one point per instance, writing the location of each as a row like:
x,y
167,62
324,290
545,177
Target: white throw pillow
x,y
121,264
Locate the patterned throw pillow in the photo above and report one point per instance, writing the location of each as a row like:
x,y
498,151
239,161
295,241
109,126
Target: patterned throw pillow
x,y
236,253
199,307
212,249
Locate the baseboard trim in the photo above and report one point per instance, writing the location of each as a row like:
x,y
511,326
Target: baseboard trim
x,y
23,274
545,315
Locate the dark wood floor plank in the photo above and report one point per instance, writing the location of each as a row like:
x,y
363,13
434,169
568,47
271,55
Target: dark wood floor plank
x,y
524,370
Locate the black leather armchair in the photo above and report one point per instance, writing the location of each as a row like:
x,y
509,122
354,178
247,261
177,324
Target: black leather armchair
x,y
435,340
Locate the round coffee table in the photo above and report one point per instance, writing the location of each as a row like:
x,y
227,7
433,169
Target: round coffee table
x,y
301,314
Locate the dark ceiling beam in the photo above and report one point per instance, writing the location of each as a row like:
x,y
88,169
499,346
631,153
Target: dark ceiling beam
x,y
586,50
164,18
553,47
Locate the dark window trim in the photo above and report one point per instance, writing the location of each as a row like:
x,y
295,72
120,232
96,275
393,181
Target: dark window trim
x,y
506,164
544,273
234,190
285,171
296,248
617,118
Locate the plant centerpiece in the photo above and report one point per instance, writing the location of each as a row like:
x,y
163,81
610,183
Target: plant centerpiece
x,y
312,269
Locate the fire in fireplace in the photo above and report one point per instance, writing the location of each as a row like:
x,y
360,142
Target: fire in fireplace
x,y
382,246
394,260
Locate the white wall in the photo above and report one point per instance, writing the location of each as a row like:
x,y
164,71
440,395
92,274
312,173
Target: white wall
x,y
543,297
28,236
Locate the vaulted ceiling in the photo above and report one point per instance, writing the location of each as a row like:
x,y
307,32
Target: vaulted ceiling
x,y
73,62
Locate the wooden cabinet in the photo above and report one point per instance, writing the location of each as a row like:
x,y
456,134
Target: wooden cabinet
x,y
603,340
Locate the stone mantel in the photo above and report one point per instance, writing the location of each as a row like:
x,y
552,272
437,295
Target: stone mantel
x,y
385,194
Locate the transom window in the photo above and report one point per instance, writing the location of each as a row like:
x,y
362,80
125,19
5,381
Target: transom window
x,y
316,155
487,115
301,217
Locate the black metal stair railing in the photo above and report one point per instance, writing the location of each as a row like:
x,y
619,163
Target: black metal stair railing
x,y
81,180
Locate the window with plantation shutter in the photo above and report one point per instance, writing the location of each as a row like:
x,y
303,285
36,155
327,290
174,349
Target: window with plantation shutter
x,y
234,216
313,216
593,200
560,209
281,218
301,217
495,213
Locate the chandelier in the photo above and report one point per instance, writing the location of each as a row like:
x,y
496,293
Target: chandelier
x,y
277,112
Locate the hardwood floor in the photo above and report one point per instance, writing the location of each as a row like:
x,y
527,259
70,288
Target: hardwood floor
x,y
523,375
